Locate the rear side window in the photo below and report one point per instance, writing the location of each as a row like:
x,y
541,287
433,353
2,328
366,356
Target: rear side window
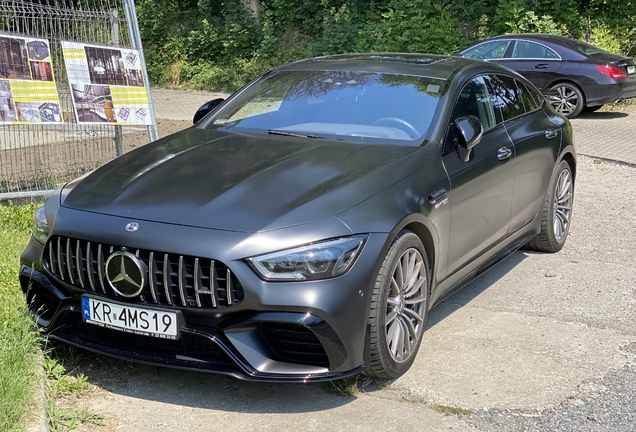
x,y
505,96
532,50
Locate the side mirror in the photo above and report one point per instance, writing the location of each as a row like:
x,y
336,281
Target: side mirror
x,y
470,131
206,109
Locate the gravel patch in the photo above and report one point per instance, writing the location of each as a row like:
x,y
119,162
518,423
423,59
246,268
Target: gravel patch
x,y
608,404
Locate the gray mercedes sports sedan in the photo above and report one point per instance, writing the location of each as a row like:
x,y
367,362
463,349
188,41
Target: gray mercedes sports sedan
x,y
302,229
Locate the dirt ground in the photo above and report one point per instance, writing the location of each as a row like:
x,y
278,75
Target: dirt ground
x,y
166,127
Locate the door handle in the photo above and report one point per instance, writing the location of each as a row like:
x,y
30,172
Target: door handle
x,y
541,66
504,153
551,134
438,198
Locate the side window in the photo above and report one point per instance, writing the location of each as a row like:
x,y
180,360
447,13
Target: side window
x,y
532,50
473,100
531,100
505,96
551,54
488,50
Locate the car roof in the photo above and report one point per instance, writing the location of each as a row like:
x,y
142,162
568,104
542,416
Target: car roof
x,y
424,65
537,36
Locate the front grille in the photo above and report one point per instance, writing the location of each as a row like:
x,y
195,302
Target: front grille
x,y
294,343
173,280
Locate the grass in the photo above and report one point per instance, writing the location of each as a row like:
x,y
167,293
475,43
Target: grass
x,y
19,341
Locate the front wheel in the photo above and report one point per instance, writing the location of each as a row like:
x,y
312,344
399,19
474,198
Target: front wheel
x,y
399,307
557,212
569,100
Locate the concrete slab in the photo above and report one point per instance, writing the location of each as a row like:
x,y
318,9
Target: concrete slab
x,y
183,401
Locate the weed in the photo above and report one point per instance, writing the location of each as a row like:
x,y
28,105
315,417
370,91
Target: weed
x,y
447,410
67,419
60,383
597,161
347,387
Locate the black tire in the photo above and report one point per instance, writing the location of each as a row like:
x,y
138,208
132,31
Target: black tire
x,y
557,212
570,100
592,108
399,308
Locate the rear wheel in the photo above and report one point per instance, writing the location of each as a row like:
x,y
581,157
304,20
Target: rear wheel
x,y
569,100
399,307
557,212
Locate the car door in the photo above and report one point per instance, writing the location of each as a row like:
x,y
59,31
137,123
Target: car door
x,y
534,61
537,139
481,188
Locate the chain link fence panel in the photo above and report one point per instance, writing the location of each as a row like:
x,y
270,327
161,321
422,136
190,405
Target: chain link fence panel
x,y
37,157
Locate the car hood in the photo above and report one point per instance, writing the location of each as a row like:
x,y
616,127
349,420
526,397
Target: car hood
x,y
240,182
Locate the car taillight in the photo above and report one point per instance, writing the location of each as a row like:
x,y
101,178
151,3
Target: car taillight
x,y
612,72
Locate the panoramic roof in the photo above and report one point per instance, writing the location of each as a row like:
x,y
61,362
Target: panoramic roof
x,y
434,66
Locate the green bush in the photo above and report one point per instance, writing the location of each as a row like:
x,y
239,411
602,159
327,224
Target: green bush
x,y
219,45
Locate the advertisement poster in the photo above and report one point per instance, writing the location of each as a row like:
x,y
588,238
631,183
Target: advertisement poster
x,y
27,86
107,84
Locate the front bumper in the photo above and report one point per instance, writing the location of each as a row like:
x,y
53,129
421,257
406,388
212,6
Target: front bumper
x,y
289,332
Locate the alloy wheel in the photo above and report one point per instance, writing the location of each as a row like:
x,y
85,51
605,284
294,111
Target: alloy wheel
x,y
406,305
563,205
567,100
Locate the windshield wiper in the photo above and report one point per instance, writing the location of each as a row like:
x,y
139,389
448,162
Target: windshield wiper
x,y
292,134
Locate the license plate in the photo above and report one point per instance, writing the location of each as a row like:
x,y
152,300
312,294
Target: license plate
x,y
130,319
631,69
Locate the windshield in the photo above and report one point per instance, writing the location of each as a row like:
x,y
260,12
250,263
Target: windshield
x,y
353,106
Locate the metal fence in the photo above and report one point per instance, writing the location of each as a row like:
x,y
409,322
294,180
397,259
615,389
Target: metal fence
x,y
35,158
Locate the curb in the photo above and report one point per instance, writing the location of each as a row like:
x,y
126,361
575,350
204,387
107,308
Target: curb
x,y
41,421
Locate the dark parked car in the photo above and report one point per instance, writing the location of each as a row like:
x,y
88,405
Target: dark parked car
x,y
303,228
583,76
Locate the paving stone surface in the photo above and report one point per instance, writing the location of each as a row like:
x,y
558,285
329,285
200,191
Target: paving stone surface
x,y
607,135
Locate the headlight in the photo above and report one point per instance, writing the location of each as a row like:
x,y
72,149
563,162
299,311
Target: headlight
x,y
40,226
322,260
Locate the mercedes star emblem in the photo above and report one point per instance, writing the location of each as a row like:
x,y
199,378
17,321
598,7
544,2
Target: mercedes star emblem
x,y
132,226
126,274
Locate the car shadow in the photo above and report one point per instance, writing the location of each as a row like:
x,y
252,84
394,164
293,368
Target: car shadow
x,y
466,294
199,390
605,115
